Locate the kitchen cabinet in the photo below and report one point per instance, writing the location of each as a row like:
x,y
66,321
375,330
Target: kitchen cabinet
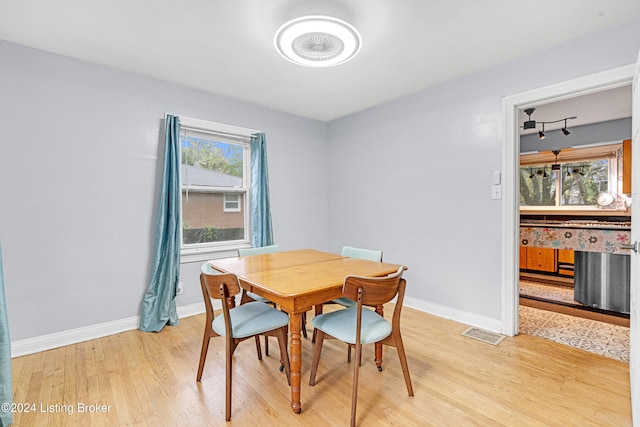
x,y
547,260
541,259
626,167
565,262
523,257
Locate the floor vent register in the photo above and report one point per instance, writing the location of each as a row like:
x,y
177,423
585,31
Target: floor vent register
x,y
484,336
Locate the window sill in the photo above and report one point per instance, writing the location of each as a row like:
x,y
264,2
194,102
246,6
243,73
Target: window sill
x,y
542,210
206,254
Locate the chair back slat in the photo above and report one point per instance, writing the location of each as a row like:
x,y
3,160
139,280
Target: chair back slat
x,y
257,251
360,253
375,290
212,283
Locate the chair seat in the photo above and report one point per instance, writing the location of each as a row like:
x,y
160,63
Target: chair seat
x,y
257,297
344,301
341,324
252,318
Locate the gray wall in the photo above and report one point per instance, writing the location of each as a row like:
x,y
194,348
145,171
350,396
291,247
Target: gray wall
x,y
596,133
78,181
414,176
78,173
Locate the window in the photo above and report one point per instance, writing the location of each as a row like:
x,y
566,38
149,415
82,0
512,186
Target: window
x,y
214,179
575,181
232,202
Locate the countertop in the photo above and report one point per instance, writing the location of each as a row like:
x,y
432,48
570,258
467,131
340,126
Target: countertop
x,y
578,223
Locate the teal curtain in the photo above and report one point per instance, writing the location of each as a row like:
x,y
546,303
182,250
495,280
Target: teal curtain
x,y
261,230
159,305
6,418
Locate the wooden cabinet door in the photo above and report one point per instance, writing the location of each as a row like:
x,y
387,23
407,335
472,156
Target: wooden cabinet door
x,y
523,257
541,259
626,166
565,262
565,255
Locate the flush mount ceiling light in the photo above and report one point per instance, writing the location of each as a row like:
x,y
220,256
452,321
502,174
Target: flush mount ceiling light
x,y
532,124
318,41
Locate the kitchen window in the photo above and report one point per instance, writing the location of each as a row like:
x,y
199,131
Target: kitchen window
x,y
214,179
573,181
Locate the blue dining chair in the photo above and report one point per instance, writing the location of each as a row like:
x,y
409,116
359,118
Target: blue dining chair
x,y
255,297
256,251
351,252
359,325
237,324
360,253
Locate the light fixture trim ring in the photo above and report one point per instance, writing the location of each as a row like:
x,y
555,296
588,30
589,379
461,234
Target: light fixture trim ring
x,y
293,30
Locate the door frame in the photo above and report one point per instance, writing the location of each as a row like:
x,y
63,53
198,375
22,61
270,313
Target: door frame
x,y
610,79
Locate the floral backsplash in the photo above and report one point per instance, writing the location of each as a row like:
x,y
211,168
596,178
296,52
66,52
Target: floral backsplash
x,y
578,239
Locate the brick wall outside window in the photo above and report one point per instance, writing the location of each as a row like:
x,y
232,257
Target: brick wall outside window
x,y
207,209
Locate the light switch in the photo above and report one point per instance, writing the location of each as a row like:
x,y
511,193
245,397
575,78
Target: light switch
x,y
496,177
496,192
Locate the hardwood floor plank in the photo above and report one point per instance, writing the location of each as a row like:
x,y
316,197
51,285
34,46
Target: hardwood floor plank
x,y
148,379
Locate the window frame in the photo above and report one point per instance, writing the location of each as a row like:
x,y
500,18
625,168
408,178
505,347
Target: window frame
x,y
238,202
231,134
604,151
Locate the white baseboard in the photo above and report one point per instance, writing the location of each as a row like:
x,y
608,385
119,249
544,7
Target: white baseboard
x,y
465,317
73,336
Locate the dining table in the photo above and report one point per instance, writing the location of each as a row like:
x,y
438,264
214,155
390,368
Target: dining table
x,y
297,281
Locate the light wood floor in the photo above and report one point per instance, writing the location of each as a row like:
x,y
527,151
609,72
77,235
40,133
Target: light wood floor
x,y
148,379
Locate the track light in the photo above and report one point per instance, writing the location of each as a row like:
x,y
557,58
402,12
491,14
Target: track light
x,y
532,124
529,124
539,172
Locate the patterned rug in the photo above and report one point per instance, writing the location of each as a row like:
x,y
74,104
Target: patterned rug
x,y
545,291
596,337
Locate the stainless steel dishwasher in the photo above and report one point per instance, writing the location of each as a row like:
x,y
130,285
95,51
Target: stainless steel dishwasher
x,y
602,280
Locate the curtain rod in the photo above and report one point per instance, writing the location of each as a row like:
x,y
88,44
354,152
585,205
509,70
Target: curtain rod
x,y
221,129
217,133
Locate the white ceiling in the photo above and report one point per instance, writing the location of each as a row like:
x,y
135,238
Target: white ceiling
x,y
226,46
596,107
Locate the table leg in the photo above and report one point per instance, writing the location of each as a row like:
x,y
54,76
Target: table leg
x,y
378,346
295,360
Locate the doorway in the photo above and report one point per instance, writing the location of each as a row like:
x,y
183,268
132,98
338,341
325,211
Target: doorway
x,y
565,172
510,166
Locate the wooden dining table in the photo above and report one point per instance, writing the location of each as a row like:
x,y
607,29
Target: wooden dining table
x,y
297,281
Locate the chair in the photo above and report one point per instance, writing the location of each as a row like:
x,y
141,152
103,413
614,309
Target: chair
x,y
256,251
368,254
358,325
237,324
352,252
250,296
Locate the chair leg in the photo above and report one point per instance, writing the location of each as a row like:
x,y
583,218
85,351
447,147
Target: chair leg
x,y
354,391
266,345
228,357
304,324
403,362
258,348
203,353
284,354
316,357
318,310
